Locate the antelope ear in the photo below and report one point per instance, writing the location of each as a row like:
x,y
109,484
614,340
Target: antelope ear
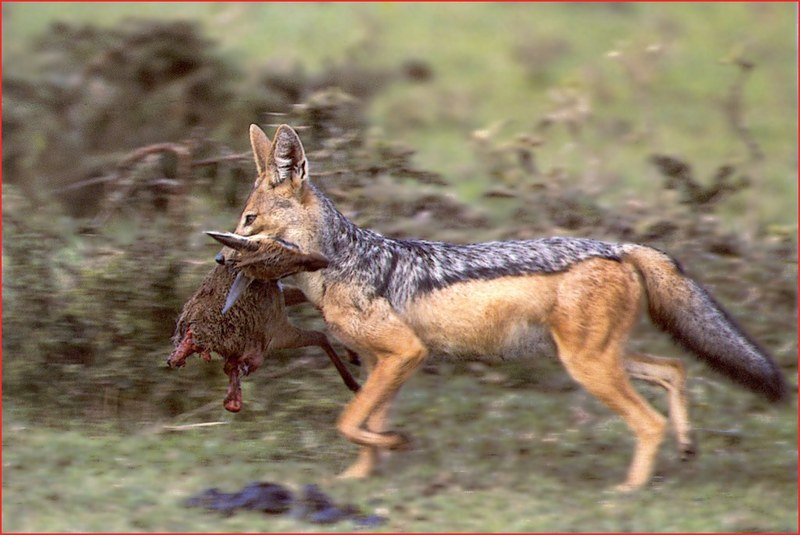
x,y
261,149
234,241
315,261
240,284
287,158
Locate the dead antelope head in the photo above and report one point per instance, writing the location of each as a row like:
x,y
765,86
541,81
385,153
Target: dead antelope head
x,y
264,258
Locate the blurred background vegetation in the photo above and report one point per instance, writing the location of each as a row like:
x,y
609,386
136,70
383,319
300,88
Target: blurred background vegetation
x,y
125,135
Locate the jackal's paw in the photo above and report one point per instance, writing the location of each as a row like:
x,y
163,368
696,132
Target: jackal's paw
x,y
399,440
624,488
355,472
688,451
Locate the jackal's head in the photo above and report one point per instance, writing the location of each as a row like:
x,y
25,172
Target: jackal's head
x,y
281,204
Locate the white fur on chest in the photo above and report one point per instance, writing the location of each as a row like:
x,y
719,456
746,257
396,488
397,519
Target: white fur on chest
x,y
311,284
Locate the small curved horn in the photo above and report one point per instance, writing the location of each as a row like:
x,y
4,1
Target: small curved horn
x,y
234,241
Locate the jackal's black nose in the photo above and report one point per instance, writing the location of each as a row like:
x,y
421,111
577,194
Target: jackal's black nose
x,y
220,259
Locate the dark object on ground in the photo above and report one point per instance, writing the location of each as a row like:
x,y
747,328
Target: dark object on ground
x,y
267,497
312,506
316,507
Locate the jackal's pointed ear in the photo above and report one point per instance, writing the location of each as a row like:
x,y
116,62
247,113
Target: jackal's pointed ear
x,y
261,149
287,158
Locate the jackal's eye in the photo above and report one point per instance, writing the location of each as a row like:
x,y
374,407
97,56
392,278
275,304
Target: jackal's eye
x,y
249,219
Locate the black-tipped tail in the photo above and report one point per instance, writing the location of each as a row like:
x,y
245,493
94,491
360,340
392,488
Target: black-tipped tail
x,y
686,311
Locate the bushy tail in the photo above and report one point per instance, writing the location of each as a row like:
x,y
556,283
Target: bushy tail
x,y
685,310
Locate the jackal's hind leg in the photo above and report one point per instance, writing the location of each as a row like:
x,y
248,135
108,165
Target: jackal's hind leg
x,y
604,377
596,308
670,374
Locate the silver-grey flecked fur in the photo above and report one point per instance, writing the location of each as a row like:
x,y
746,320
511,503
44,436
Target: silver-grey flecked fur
x,y
400,270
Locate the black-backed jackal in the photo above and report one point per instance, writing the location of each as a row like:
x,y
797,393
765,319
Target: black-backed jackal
x,y
398,301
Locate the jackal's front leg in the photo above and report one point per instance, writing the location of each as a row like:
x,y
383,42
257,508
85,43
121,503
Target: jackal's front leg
x,y
380,388
369,456
395,353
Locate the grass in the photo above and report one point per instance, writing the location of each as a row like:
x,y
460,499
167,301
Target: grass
x,y
531,453
503,61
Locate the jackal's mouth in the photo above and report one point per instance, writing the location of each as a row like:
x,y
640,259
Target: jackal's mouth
x,y
245,244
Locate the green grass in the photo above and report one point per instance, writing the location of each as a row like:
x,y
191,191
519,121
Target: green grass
x,y
488,457
499,63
